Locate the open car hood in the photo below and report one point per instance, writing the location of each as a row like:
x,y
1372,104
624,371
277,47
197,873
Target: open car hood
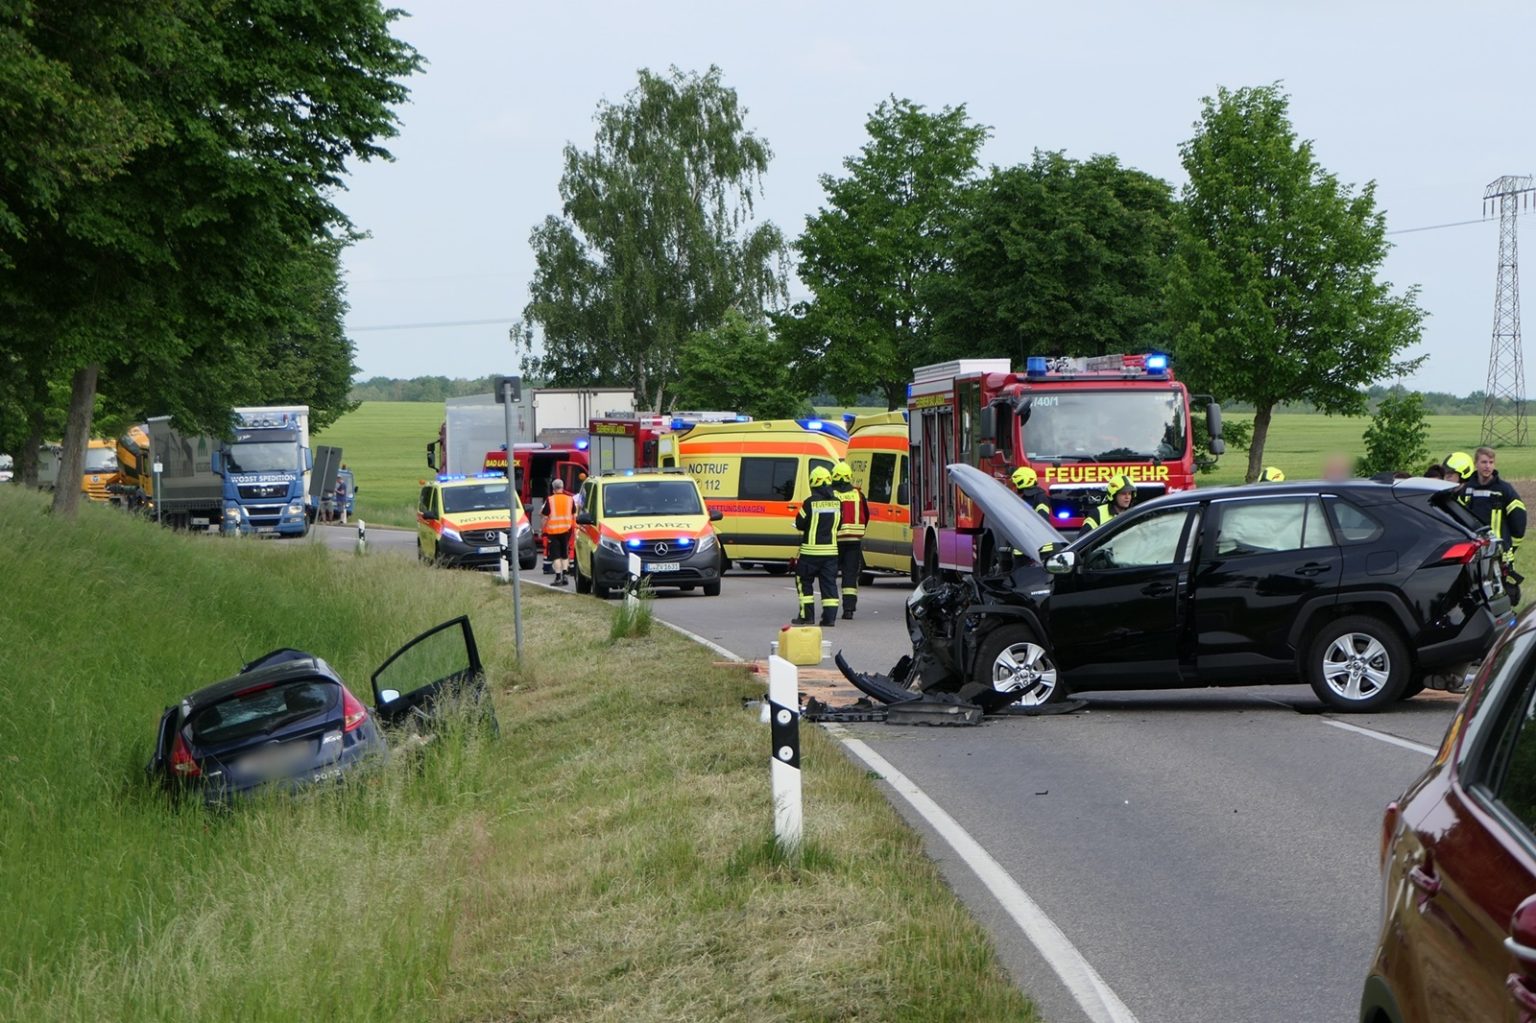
x,y
1012,519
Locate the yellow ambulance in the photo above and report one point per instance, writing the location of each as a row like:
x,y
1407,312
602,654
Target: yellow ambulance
x,y
756,474
878,448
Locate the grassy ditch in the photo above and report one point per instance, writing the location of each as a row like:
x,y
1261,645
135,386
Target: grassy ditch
x,y
609,857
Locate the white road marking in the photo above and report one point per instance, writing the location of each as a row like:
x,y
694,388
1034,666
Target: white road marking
x,y
1417,747
1095,997
716,647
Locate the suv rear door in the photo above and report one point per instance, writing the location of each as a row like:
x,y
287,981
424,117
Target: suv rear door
x,y
1262,560
439,668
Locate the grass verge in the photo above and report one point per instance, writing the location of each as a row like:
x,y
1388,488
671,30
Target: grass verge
x,y
609,857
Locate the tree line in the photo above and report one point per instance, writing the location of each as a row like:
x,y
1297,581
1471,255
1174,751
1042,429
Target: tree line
x,y
1261,274
169,237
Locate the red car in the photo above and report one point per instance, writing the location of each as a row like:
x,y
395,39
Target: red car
x,y
1458,857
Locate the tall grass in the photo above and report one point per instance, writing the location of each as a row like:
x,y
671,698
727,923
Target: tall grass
x,y
609,856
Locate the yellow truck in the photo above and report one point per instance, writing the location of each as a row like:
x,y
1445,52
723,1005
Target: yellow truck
x,y
756,474
878,449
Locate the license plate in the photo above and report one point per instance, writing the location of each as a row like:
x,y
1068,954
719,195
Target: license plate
x,y
488,550
273,761
662,566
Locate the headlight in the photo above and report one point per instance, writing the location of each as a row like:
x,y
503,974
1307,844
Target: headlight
x,y
296,507
705,543
231,513
608,543
449,533
524,528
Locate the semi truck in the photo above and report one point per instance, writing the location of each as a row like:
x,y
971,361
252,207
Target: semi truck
x,y
253,481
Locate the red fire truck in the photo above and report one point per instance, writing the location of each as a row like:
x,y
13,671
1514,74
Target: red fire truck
x,y
1076,421
622,442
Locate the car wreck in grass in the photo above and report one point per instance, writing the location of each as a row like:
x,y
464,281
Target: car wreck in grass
x,y
288,722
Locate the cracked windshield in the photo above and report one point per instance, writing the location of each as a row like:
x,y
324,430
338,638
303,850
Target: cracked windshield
x,y
1105,426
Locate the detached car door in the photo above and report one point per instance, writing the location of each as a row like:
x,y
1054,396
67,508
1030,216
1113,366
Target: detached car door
x,y
436,673
1262,560
1119,614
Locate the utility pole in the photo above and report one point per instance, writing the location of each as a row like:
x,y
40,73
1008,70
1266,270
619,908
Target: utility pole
x,y
1504,401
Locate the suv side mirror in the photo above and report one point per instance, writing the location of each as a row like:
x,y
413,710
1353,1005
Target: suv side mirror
x,y
586,519
1213,427
715,515
1056,560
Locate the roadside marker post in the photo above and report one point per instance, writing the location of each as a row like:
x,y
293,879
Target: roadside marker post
x,y
362,537
784,758
158,467
632,591
501,538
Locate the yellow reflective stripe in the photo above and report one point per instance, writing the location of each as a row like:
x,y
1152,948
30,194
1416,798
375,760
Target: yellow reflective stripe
x,y
1516,503
1496,521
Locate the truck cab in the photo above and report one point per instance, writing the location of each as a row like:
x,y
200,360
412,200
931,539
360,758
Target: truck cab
x,y
264,465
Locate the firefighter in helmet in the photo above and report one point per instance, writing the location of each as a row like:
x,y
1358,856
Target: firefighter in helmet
x,y
1494,503
1271,474
1027,483
817,521
1119,492
850,534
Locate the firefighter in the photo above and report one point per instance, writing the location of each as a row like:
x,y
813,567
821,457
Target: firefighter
x,y
1271,474
1119,492
1495,504
1027,483
853,521
817,521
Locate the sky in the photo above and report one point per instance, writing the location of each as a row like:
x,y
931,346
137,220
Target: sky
x,y
1430,100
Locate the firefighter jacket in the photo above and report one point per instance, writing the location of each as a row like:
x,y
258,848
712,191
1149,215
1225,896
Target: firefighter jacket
x,y
817,521
854,515
559,514
1037,499
1497,505
1098,515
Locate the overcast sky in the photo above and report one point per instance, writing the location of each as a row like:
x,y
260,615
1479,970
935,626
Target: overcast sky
x,y
1430,100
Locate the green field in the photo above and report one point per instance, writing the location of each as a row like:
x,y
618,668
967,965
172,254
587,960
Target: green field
x,y
607,857
384,443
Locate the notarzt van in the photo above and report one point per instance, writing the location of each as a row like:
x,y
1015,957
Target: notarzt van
x,y
878,449
657,517
458,517
756,475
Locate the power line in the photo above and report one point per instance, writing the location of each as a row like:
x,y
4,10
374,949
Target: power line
x,y
504,321
1454,223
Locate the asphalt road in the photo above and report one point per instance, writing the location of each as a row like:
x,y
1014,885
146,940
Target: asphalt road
x,y
1211,853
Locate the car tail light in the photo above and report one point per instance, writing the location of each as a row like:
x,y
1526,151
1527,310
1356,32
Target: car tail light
x,y
182,763
1461,553
353,713
1388,826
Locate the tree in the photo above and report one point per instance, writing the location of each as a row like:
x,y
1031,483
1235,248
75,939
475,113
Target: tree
x,y
1398,438
1057,257
200,274
654,242
1272,292
741,367
871,255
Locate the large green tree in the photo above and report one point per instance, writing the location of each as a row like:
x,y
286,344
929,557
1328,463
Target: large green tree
x,y
1273,291
655,240
1057,257
871,255
194,275
739,366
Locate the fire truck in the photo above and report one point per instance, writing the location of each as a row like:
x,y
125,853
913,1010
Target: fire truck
x,y
632,440
1076,421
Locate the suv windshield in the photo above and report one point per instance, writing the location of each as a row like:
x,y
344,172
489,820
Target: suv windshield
x,y
1105,425
491,496
652,497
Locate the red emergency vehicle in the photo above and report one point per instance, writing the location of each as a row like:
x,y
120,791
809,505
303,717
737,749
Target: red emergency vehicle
x,y
632,441
536,465
1076,421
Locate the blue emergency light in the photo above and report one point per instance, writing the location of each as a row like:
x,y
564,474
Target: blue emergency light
x,y
489,476
822,426
634,543
1035,365
1063,513
684,541
581,443
1157,362
449,477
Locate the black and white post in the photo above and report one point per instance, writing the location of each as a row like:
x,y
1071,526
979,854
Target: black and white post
x,y
362,537
784,720
632,585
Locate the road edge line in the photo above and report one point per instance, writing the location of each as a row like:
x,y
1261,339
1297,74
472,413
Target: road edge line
x,y
1417,747
1092,994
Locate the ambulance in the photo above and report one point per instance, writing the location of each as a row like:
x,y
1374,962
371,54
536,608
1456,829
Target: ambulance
x,y
756,474
458,518
658,518
878,449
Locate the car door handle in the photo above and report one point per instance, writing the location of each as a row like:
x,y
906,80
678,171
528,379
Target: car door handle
x,y
1520,990
1313,568
1157,589
1424,880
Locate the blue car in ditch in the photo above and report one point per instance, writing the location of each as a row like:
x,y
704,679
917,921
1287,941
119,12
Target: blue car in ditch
x,y
288,722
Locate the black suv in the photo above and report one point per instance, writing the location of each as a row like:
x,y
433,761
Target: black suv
x,y
1361,588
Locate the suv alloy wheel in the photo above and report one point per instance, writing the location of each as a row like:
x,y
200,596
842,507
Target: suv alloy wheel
x,y
1357,663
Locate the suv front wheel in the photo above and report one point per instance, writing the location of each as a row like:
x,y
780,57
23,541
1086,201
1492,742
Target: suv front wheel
x,y
1358,664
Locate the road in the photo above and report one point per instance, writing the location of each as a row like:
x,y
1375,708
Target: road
x,y
1211,853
